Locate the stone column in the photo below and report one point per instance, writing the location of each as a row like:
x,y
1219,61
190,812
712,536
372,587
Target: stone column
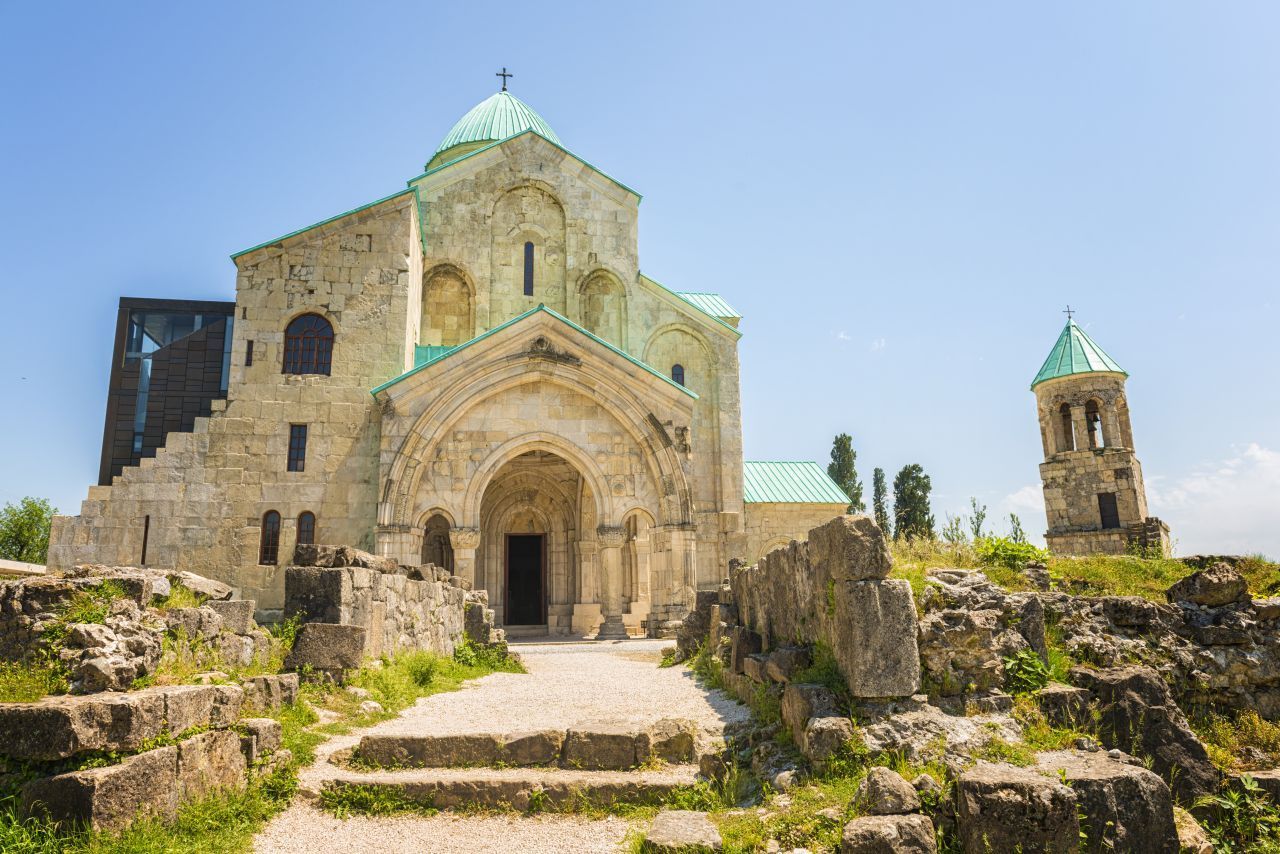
x,y
611,539
464,542
641,545
1080,427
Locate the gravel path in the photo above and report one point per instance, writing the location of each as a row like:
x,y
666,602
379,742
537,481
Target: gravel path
x,y
567,684
303,828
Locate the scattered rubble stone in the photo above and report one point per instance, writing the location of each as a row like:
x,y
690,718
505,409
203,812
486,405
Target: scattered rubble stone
x,y
1124,806
1216,585
884,792
1005,808
889,834
681,832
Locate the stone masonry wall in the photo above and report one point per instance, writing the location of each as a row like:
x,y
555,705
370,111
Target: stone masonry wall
x,y
770,525
833,589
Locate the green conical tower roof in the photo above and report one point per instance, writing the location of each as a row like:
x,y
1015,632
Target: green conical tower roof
x,y
1075,353
498,117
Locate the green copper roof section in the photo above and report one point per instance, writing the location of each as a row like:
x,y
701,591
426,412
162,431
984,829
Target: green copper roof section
x,y
737,333
424,353
1075,353
449,351
498,117
789,483
712,304
321,222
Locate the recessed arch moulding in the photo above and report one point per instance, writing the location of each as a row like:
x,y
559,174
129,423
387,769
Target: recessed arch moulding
x,y
531,433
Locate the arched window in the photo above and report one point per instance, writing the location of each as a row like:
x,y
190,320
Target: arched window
x,y
308,345
269,545
677,373
1067,441
307,528
1093,422
528,269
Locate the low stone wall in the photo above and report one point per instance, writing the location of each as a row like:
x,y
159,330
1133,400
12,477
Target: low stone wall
x,y
409,608
833,589
205,745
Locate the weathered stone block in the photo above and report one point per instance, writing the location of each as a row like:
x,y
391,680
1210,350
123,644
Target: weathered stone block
x,y
1218,585
785,662
681,832
208,762
824,737
237,615
743,642
268,693
60,727
341,556
211,589
532,748
1138,714
327,647
875,638
753,666
1125,807
850,548
318,595
884,792
1004,808
889,834
434,751
604,747
1064,705
802,701
110,797
259,737
672,740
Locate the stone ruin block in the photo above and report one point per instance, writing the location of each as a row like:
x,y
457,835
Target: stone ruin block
x,y
111,797
888,834
1005,808
1124,807
237,615
61,727
328,648
259,738
849,548
874,638
318,595
208,762
342,556
271,692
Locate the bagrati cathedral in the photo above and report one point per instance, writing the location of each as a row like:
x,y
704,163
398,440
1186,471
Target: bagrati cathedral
x,y
472,372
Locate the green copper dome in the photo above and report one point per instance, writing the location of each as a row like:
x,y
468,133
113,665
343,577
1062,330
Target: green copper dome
x,y
498,117
1075,353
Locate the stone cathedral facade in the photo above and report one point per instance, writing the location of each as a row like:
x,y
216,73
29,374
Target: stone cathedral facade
x,y
471,372
1094,497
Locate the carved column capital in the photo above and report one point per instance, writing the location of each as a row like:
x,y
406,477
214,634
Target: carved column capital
x,y
464,538
610,536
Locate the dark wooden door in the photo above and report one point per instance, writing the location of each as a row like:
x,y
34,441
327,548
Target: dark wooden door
x,y
525,600
1108,511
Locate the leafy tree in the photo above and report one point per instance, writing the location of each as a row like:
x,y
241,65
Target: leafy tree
x,y
953,531
977,518
842,471
879,495
912,517
1015,529
24,530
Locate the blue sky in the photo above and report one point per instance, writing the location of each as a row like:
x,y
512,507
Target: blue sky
x,y
899,197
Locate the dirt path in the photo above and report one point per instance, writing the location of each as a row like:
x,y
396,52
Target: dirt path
x,y
567,684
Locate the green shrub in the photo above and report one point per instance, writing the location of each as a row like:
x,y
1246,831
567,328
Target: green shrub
x,y
1024,672
1245,819
1007,552
421,667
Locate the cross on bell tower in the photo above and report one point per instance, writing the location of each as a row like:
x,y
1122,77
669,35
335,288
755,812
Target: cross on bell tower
x,y
1069,312
504,74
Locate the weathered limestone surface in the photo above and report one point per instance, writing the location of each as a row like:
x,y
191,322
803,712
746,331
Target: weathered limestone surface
x,y
208,762
1125,807
328,648
681,832
268,693
110,797
884,792
1004,808
833,589
395,611
888,834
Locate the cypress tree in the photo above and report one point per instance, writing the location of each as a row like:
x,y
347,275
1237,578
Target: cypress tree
x,y
912,517
879,495
842,471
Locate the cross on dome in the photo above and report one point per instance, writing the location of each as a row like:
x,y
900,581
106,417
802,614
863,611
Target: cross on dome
x,y
504,74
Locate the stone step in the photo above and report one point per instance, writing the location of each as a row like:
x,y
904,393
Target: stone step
x,y
592,747
521,789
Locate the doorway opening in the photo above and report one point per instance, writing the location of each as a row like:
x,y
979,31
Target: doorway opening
x,y
526,601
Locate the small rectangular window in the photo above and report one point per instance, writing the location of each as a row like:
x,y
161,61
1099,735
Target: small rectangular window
x,y
528,269
297,447
1108,511
248,353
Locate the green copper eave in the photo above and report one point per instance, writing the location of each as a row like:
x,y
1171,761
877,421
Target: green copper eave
x,y
513,321
265,244
789,482
737,333
1076,353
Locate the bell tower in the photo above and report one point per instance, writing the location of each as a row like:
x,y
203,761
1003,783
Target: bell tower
x,y
1093,492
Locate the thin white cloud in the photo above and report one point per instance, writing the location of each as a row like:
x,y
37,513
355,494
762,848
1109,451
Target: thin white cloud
x,y
843,336
1229,506
878,344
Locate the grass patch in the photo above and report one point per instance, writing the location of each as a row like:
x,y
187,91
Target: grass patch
x,y
999,750
26,683
180,596
708,667
1244,741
